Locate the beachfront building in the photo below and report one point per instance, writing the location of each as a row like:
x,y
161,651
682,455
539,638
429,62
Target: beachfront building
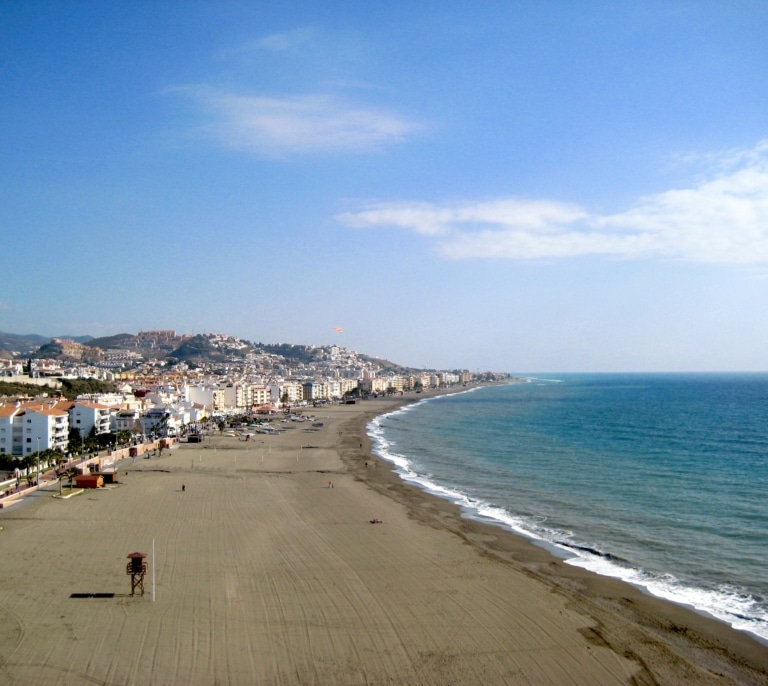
x,y
313,390
425,380
196,412
373,385
334,388
206,394
241,395
87,417
260,396
26,428
448,378
158,420
340,387
275,391
126,420
395,384
291,392
236,395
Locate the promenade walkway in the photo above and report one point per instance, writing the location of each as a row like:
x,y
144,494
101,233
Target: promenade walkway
x,y
14,489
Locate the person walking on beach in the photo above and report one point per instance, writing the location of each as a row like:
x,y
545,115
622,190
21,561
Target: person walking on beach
x,y
183,488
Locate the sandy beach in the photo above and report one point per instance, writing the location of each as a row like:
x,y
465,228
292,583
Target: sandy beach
x,y
268,570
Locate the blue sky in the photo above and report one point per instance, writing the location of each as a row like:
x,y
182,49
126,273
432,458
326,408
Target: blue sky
x,y
517,186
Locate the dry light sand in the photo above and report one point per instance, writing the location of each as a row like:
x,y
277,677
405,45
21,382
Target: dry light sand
x,y
264,575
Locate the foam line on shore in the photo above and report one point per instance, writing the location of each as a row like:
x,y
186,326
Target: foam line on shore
x,y
726,603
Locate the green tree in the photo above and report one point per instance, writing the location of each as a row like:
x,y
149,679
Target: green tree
x,y
72,388
90,442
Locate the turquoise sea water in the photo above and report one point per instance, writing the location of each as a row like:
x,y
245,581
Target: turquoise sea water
x,y
660,479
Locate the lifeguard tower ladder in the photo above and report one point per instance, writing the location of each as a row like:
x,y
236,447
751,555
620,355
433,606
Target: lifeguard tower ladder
x,y
137,569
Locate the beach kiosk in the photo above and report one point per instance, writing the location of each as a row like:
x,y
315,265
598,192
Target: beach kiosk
x,y
89,480
137,569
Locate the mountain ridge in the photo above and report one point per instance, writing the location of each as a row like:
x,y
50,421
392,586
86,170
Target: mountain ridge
x,y
195,350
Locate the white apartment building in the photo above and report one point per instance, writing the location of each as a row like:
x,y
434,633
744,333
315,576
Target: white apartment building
x,y
122,400
244,395
293,390
85,416
11,368
158,419
373,385
208,395
448,378
195,412
396,383
28,427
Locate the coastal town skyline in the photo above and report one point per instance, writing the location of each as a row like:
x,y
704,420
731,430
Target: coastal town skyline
x,y
126,351
513,186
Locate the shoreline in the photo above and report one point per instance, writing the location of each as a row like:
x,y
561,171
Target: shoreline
x,y
267,568
689,629
454,494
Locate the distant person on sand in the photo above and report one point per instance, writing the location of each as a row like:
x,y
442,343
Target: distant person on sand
x,y
183,488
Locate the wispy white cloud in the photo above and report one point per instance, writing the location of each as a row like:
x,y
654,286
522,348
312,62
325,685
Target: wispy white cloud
x,y
285,41
723,218
448,221
275,42
282,126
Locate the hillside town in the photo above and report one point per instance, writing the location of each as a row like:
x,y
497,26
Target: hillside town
x,y
165,385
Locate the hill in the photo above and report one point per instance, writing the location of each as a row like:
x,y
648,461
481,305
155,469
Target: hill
x,y
27,344
22,344
202,350
120,340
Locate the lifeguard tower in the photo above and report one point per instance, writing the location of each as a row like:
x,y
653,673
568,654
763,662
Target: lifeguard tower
x,y
137,569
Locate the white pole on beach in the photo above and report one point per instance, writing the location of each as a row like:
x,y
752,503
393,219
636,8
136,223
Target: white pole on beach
x,y
153,570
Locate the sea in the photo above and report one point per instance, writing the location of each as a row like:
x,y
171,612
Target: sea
x,y
657,479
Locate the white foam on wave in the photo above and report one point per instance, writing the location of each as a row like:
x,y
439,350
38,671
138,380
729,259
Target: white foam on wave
x,y
739,610
405,468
